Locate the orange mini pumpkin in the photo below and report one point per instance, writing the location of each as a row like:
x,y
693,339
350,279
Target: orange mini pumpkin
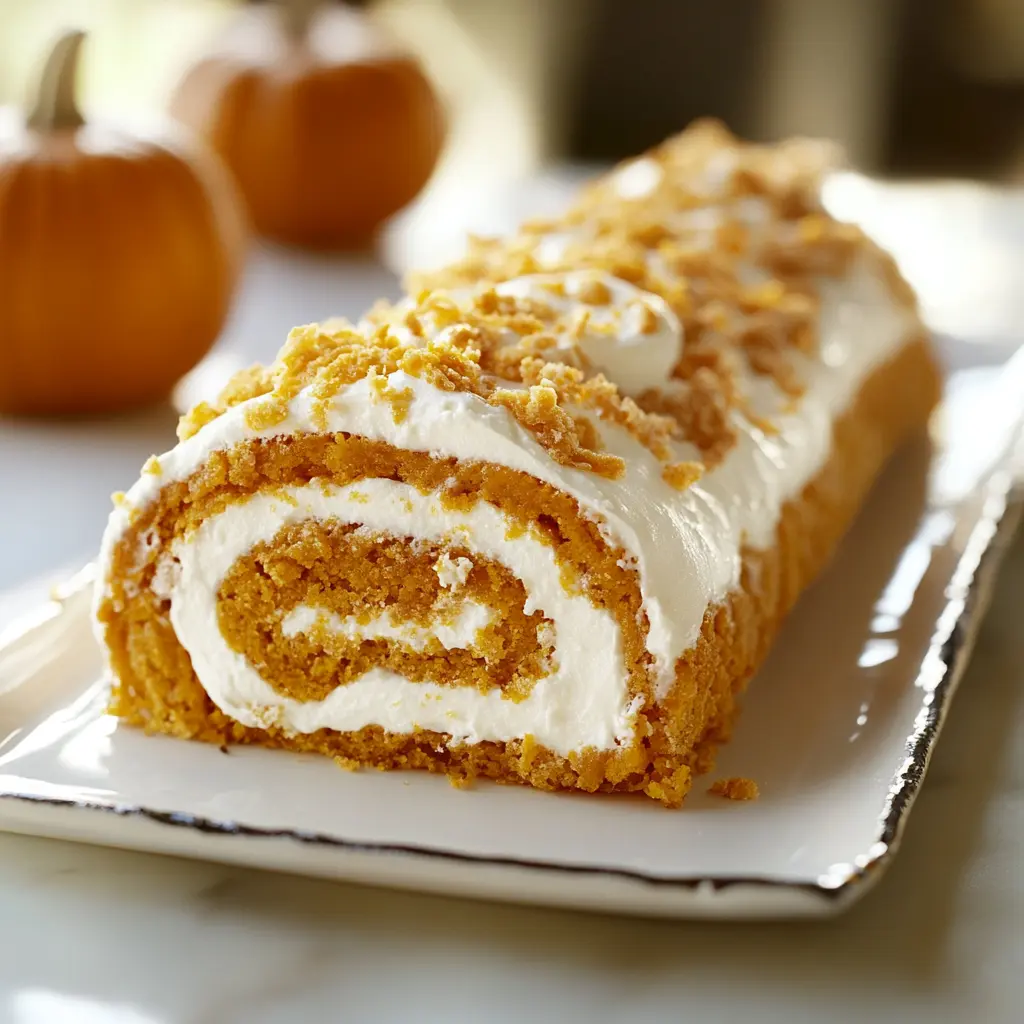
x,y
118,255
327,127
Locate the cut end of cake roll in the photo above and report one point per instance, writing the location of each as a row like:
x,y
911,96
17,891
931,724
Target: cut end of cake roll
x,y
541,520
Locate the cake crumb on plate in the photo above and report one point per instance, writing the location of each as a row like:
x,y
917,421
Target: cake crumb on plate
x,y
735,788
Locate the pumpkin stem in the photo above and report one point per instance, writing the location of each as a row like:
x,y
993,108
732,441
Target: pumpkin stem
x,y
297,15
55,106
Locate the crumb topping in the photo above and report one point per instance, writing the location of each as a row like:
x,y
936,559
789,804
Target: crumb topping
x,y
398,398
681,474
248,383
730,237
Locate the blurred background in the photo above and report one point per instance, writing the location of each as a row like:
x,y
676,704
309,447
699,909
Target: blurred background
x,y
912,87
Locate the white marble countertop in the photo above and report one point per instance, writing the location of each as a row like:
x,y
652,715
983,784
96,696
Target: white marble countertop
x,y
92,936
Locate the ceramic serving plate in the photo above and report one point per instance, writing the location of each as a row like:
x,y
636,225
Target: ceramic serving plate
x,y
837,730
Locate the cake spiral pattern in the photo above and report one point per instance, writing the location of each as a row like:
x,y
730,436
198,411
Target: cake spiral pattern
x,y
541,520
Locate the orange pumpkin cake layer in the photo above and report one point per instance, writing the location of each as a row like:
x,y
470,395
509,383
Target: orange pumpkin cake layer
x,y
542,520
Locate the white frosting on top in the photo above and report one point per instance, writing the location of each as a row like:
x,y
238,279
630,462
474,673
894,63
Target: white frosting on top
x,y
686,546
634,337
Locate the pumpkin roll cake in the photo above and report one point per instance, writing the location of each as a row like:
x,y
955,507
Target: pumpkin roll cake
x,y
541,520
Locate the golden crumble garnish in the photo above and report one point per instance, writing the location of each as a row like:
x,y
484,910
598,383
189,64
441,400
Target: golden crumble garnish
x,y
540,225
647,322
587,433
650,429
196,418
594,292
244,385
267,413
731,236
398,398
699,409
681,475
538,410
768,295
415,325
578,324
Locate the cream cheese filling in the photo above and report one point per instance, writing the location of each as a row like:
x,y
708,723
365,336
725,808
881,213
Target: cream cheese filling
x,y
458,634
584,701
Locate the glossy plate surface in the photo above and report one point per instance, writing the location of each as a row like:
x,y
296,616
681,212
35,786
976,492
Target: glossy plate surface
x,y
836,729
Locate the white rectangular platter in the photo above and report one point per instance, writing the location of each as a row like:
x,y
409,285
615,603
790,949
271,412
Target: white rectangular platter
x,y
837,730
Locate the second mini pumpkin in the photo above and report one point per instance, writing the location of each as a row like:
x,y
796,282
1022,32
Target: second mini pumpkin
x,y
328,128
